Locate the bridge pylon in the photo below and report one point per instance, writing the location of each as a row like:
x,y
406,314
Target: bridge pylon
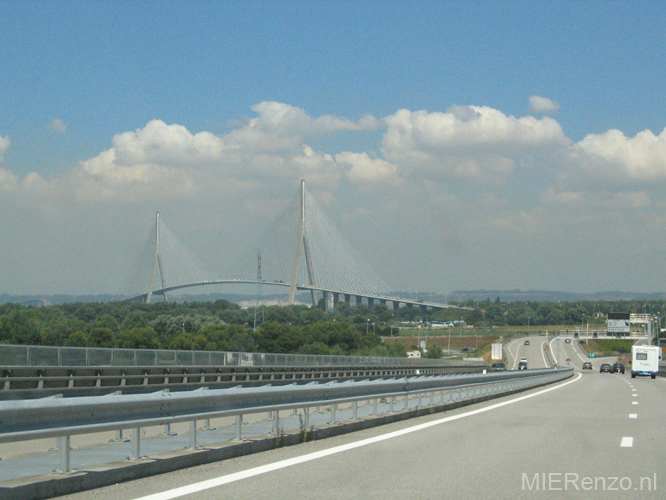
x,y
157,263
302,246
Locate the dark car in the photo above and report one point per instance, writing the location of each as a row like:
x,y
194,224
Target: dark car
x,y
587,366
617,368
527,342
567,341
605,368
497,367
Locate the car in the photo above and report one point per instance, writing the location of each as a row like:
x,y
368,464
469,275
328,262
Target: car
x,y
522,364
605,368
587,366
617,368
527,342
497,367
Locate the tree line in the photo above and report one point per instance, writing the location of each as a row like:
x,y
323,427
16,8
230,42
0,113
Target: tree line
x,y
225,326
218,325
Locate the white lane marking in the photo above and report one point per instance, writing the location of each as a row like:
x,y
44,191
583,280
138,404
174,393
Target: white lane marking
x,y
515,357
635,403
627,442
543,354
581,357
633,390
633,415
635,395
230,478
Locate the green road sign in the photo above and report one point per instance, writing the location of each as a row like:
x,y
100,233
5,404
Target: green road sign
x,y
592,355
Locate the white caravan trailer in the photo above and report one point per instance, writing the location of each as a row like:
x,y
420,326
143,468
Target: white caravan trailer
x,y
645,360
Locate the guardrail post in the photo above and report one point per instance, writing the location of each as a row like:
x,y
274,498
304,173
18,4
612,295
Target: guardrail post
x,y
239,425
207,426
276,422
418,402
193,434
355,410
393,402
374,406
306,417
136,443
334,409
63,445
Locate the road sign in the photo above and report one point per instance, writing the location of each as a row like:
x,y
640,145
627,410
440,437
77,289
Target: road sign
x,y
592,355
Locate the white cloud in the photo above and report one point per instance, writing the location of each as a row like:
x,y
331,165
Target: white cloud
x,y
8,181
641,158
5,142
58,125
467,141
280,126
162,160
362,168
543,104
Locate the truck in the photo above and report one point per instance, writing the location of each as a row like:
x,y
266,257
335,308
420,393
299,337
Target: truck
x,y
645,360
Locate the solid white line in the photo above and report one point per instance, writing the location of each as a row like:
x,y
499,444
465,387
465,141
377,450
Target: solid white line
x,y
633,415
627,442
230,478
581,357
635,403
543,354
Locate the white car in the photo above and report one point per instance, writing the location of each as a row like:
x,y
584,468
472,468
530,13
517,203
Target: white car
x,y
522,364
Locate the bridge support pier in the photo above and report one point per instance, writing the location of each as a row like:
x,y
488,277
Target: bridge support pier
x,y
336,299
347,298
359,300
371,302
396,305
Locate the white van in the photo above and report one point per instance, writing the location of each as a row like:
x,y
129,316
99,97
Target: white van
x,y
645,360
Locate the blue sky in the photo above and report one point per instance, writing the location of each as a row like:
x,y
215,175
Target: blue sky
x,y
529,189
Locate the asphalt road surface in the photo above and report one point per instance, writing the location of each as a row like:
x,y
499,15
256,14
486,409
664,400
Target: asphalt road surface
x,y
593,436
534,352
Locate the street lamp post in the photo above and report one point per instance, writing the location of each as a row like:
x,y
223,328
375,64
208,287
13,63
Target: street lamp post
x,y
367,325
449,349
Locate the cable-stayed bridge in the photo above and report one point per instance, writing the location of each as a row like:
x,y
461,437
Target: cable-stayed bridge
x,y
301,250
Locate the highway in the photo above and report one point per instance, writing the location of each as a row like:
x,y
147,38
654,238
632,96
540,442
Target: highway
x,y
534,352
536,355
593,436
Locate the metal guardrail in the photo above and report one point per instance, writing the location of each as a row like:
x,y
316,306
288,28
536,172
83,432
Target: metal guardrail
x,y
32,382
62,418
43,356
